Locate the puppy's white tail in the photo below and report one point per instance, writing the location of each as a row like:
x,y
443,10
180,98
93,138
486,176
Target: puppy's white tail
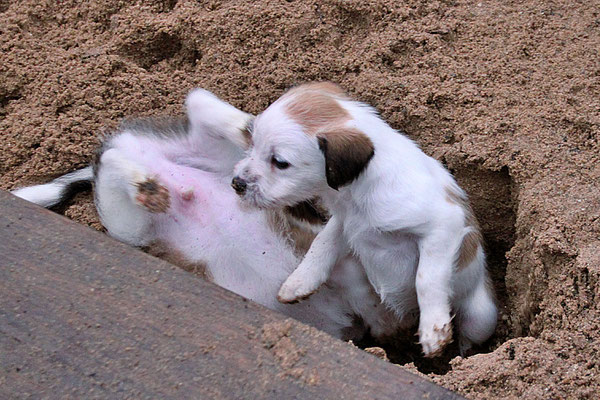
x,y
61,189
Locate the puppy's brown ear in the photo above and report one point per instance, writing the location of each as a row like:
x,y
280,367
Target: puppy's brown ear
x,y
347,152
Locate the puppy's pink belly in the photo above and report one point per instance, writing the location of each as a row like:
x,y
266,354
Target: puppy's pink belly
x,y
195,193
205,213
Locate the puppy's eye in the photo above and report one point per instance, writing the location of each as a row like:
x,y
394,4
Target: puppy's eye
x,y
279,163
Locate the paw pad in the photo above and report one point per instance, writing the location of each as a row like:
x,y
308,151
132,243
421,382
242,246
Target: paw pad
x,y
153,196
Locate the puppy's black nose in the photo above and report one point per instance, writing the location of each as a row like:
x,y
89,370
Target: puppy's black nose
x,y
239,185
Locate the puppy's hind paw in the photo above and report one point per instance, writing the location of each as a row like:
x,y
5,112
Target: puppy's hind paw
x,y
153,196
435,339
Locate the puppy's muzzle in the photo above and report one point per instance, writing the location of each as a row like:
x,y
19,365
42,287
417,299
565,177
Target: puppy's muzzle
x,y
239,185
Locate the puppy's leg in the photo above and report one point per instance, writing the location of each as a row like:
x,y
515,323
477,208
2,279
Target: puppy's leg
x,y
218,118
316,266
477,315
434,273
221,128
126,197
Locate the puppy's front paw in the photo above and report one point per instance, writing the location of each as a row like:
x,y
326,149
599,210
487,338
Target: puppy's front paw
x,y
434,337
296,288
153,196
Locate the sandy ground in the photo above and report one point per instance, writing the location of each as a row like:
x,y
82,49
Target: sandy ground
x,y
505,93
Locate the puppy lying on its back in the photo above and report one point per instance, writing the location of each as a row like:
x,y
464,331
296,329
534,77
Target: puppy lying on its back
x,y
165,185
397,209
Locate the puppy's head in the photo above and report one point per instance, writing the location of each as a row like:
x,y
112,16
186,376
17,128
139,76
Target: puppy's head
x,y
303,144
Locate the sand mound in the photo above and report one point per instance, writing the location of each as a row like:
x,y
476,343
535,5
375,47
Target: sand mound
x,y
506,94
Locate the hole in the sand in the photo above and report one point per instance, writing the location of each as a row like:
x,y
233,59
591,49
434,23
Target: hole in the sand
x,y
492,196
159,47
165,5
6,99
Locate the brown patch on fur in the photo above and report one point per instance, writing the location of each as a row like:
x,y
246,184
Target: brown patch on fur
x,y
327,87
247,134
153,196
470,219
347,152
299,237
454,197
309,211
323,87
472,240
165,252
247,137
468,249
315,110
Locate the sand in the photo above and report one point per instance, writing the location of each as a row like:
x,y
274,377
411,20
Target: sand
x,y
505,93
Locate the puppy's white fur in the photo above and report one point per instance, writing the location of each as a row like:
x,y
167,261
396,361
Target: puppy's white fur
x,y
397,209
201,222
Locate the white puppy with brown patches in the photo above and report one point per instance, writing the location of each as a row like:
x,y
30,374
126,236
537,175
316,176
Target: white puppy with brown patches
x,y
398,210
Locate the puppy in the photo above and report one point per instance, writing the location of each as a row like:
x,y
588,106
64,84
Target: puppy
x,y
398,210
164,185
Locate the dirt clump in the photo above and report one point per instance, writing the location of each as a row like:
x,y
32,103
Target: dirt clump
x,y
506,94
